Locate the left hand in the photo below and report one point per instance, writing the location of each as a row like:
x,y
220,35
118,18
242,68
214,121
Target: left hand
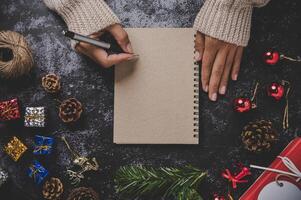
x,y
220,60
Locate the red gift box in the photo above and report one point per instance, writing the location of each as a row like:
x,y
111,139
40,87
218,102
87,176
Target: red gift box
x,y
9,110
292,151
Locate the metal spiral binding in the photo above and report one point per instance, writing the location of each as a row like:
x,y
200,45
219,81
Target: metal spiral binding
x,y
196,88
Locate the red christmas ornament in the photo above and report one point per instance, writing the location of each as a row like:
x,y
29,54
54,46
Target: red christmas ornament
x,y
242,105
217,197
271,57
276,91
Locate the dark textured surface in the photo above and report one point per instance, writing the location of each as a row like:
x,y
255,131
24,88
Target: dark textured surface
x,y
277,25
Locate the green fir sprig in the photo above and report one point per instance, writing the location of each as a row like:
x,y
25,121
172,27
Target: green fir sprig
x,y
137,181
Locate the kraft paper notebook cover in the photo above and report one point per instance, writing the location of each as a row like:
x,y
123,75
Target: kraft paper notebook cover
x,y
156,97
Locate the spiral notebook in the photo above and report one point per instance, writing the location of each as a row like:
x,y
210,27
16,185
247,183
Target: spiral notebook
x,y
156,97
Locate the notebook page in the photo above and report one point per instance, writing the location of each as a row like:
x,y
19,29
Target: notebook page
x,y
154,97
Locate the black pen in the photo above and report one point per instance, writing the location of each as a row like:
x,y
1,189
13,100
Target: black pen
x,y
82,38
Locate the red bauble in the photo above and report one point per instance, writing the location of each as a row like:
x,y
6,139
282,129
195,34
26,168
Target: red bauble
x,y
242,105
276,91
217,197
271,57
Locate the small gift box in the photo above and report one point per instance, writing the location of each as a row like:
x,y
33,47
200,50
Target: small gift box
x,y
37,172
3,177
34,117
15,148
9,110
43,145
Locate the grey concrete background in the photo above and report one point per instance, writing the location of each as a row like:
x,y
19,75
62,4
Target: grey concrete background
x,y
275,26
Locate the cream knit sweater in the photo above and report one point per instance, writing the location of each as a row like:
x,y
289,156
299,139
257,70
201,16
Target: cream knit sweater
x,y
227,20
84,16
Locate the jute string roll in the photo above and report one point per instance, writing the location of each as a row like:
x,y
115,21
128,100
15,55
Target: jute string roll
x,y
21,61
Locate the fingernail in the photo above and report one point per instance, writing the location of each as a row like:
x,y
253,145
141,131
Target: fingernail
x,y
213,97
134,57
129,48
197,56
205,88
222,90
235,77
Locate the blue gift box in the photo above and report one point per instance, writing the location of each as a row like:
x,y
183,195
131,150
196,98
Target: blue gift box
x,y
43,145
37,172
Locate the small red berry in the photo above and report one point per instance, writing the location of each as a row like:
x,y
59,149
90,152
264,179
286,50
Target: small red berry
x,y
271,57
242,105
276,91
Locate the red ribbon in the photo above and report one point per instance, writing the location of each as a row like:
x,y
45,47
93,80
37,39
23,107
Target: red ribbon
x,y
237,178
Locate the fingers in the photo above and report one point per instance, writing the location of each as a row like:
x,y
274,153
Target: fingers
x,y
217,72
227,70
117,58
121,37
96,35
199,46
236,64
207,62
101,57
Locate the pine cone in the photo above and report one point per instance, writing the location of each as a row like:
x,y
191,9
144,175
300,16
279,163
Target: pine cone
x,y
70,110
51,83
52,189
83,193
259,136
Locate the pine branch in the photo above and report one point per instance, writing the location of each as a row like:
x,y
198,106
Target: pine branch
x,y
136,181
190,194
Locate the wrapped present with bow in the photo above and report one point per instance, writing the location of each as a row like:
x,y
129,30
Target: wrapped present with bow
x,y
37,172
282,179
43,145
15,148
34,117
9,110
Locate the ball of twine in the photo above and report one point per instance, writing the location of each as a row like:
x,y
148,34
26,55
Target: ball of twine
x,y
20,61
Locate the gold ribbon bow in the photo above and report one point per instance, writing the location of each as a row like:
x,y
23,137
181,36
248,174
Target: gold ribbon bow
x,y
41,148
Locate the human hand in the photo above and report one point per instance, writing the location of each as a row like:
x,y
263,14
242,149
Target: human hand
x,y
100,56
220,60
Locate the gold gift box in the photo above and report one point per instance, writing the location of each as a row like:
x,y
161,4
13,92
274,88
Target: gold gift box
x,y
15,148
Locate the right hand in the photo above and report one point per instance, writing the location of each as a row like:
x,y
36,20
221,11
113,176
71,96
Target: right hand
x,y
220,61
100,56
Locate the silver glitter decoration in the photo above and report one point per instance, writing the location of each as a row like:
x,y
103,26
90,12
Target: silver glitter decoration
x,y
34,117
3,177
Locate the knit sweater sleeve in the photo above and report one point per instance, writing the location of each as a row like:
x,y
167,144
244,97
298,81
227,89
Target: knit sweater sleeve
x,y
227,20
84,16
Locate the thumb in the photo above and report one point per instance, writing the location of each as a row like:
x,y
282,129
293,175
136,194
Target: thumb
x,y
121,37
119,58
